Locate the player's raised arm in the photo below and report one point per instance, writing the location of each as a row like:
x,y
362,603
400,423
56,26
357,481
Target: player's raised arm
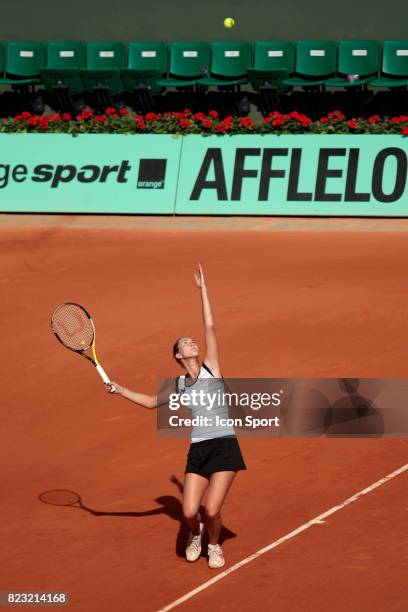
x,y
147,401
211,345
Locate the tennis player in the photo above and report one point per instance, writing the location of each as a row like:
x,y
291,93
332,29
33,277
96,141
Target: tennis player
x,y
214,456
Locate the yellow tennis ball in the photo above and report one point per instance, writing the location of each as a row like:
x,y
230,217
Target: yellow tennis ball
x,y
229,22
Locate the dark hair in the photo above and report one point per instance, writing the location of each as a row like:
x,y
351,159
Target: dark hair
x,y
176,350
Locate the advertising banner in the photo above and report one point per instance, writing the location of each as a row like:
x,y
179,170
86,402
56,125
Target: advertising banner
x,y
92,173
339,175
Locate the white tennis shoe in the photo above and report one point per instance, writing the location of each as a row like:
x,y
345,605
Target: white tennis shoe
x,y
193,550
215,556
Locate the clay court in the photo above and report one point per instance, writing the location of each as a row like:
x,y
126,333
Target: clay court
x,y
291,298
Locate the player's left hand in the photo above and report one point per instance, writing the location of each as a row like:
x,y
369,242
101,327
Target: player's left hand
x,y
199,277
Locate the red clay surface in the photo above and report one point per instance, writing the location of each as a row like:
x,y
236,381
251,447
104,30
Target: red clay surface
x,y
286,303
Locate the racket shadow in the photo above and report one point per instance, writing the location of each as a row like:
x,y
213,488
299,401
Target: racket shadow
x,y
65,497
168,505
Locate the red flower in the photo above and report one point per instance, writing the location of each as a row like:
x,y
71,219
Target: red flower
x,y
123,111
152,117
34,120
199,116
110,111
224,126
66,117
302,119
213,114
374,119
140,125
246,122
44,123
87,113
336,115
185,123
323,120
166,115
187,111
279,121
55,117
229,119
100,118
206,123
24,115
352,124
400,119
404,131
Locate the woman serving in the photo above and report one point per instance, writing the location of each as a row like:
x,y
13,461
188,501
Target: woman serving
x,y
214,456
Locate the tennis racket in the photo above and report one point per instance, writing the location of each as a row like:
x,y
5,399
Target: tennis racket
x,y
74,328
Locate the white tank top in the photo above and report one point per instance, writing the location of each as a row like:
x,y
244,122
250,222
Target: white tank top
x,y
214,387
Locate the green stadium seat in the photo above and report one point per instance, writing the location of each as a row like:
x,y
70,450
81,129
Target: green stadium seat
x,y
147,63
104,61
315,63
189,61
394,70
273,62
229,64
23,63
357,58
64,60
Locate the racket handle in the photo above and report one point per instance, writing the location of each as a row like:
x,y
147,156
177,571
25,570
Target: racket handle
x,y
102,374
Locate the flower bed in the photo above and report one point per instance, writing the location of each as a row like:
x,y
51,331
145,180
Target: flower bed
x,y
123,122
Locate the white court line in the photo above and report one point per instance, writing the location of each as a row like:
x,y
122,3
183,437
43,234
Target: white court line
x,y
316,521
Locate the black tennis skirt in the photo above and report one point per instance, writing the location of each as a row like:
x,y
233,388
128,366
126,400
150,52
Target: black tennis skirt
x,y
215,455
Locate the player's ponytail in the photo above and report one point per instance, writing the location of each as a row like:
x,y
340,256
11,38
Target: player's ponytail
x,y
176,350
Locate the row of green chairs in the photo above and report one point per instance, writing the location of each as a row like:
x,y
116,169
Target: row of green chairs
x,y
346,64
350,64
305,64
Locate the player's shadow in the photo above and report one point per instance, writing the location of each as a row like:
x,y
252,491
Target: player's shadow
x,y
353,414
168,505
183,532
310,412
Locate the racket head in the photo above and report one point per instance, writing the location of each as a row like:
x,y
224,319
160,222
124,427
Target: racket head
x,y
73,326
60,497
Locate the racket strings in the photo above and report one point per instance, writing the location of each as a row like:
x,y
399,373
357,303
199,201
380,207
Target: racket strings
x,y
73,327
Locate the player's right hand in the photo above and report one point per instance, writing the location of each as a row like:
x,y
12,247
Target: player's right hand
x,y
114,387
